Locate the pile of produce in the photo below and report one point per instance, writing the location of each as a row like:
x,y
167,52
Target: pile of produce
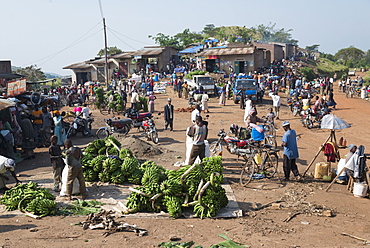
x,y
31,198
105,161
197,187
117,104
100,98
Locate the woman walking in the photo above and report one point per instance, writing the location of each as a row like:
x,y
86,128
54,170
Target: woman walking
x,y
223,95
204,101
59,130
152,97
331,101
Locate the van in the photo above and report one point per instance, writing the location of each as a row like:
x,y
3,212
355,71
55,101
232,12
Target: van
x,y
250,86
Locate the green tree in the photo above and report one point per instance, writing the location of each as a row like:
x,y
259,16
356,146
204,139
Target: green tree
x,y
32,73
313,48
271,34
242,35
209,31
349,55
328,56
110,51
187,38
166,40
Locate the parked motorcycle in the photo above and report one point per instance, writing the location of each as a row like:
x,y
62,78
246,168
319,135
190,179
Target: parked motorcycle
x,y
231,143
296,107
307,118
78,126
150,130
114,125
136,117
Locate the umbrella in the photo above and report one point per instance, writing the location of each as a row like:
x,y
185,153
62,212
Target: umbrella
x,y
4,103
331,121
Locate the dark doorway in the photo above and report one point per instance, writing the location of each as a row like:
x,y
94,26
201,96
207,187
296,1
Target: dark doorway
x,y
210,65
83,77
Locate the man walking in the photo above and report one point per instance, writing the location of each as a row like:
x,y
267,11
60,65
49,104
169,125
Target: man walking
x,y
199,133
289,142
276,104
168,115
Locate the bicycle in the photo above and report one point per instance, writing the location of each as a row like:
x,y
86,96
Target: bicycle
x,y
267,166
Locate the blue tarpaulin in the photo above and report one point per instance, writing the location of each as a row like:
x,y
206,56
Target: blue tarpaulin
x,y
214,40
192,49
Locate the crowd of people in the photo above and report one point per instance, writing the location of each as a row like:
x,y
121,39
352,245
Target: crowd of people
x,y
22,128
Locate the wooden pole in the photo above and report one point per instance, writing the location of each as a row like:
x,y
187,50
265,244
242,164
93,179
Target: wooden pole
x,y
334,179
317,154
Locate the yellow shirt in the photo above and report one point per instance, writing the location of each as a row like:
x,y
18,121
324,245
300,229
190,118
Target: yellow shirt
x,y
37,114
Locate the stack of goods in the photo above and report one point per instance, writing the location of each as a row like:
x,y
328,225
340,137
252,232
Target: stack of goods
x,y
31,198
197,187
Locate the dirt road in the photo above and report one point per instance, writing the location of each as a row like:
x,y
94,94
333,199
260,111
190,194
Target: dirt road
x,y
262,228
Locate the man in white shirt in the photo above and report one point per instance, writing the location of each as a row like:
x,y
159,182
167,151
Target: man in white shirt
x,y
134,99
276,104
195,113
85,112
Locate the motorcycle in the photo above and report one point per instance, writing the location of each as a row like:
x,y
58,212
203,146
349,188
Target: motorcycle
x,y
136,117
150,130
232,144
296,107
307,118
78,125
114,125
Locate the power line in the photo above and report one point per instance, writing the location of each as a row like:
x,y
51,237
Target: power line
x,y
128,37
71,45
121,40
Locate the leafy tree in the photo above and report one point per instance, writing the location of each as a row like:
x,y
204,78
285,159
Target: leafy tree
x,y
271,34
32,73
110,51
187,38
350,54
242,35
328,56
313,48
209,30
166,40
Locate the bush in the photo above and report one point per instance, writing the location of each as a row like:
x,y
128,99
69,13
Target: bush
x,y
308,73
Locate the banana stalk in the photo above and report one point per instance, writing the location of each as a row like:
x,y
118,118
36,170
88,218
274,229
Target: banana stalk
x,y
139,192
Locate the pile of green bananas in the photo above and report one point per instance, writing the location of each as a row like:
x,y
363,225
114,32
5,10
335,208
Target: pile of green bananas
x,y
29,197
197,187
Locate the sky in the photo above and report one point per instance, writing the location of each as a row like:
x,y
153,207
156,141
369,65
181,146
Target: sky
x,y
52,34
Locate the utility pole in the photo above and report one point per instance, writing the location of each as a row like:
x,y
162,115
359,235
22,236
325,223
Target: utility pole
x,y
106,53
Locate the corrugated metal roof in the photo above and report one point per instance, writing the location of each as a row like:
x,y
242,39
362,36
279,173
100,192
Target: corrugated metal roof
x,y
147,51
227,51
81,65
10,76
99,61
124,55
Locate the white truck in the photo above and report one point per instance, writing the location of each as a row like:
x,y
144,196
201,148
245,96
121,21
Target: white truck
x,y
202,83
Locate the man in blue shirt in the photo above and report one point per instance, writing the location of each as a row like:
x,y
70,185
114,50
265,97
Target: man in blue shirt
x,y
290,152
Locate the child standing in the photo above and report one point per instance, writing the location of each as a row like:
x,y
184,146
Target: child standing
x,y
271,117
56,161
